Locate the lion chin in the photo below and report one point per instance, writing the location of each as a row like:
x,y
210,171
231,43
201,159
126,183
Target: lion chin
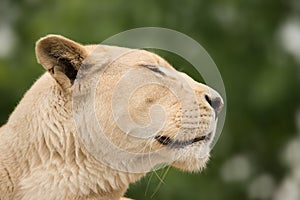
x,y
191,164
192,159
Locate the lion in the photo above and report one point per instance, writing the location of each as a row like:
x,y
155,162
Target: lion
x,y
100,118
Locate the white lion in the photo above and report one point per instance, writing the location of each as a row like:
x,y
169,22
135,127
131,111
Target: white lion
x,y
89,127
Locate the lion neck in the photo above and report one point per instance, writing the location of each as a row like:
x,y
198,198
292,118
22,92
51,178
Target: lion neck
x,y
54,147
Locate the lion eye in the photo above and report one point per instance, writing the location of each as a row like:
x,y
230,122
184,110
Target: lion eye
x,y
154,69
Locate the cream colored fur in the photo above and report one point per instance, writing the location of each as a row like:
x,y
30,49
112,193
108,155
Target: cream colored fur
x,y
42,155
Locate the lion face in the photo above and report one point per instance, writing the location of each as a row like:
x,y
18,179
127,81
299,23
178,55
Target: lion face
x,y
134,111
149,109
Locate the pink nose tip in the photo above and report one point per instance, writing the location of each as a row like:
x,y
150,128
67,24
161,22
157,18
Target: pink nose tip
x,y
217,105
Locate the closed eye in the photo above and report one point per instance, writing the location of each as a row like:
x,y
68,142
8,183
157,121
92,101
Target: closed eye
x,y
154,69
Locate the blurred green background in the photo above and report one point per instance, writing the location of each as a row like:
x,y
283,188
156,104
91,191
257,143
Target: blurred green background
x,y
255,44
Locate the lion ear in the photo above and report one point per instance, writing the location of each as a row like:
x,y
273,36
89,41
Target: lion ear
x,y
61,57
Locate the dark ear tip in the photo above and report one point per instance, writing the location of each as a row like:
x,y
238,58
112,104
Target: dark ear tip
x,y
50,37
47,41
54,40
52,46
43,46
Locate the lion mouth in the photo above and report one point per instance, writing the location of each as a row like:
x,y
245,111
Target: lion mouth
x,y
167,141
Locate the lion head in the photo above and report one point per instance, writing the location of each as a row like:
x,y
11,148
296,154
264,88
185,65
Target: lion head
x,y
131,108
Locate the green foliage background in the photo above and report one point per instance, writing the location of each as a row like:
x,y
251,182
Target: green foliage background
x,y
262,79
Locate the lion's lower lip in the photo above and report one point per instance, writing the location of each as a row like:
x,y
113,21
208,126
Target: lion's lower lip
x,y
167,141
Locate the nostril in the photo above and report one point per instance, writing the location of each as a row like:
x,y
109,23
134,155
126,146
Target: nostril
x,y
208,99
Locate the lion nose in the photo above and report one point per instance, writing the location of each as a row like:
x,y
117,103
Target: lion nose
x,y
215,101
